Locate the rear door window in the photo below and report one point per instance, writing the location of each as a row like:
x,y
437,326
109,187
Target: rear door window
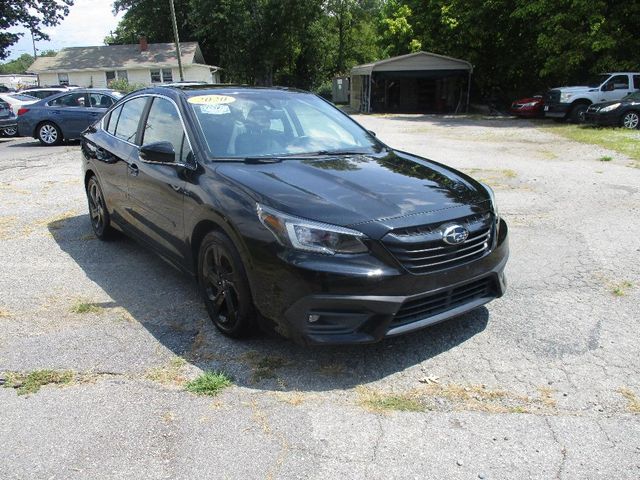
x,y
129,119
69,100
100,100
636,82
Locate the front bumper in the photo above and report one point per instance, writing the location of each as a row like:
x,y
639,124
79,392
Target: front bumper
x,y
556,110
351,309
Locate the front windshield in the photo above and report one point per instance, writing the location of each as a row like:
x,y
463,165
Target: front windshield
x,y
597,80
633,96
271,123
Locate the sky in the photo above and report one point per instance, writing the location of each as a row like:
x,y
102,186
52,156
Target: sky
x,y
88,22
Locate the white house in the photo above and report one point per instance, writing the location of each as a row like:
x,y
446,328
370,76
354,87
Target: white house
x,y
145,63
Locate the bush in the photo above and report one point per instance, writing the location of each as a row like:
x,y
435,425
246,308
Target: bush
x,y
325,90
122,85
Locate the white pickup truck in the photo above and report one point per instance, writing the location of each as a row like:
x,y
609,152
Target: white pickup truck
x,y
570,103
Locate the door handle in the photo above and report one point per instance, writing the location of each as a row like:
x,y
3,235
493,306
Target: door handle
x,y
133,170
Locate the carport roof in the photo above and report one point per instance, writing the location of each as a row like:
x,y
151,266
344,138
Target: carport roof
x,y
413,62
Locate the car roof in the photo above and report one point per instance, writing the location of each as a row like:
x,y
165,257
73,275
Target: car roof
x,y
200,89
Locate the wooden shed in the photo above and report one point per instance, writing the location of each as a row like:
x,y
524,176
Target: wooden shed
x,y
420,82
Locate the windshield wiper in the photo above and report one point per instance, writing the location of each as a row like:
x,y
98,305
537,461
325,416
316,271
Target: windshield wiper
x,y
335,152
256,160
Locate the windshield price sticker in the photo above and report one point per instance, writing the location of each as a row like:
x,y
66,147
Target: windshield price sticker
x,y
214,109
211,100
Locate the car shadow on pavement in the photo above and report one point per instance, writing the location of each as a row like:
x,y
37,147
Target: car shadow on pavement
x,y
167,304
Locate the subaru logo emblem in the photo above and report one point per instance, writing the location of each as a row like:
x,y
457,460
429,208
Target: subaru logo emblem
x,y
454,234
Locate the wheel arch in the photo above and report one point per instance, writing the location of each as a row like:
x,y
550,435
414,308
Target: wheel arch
x,y
581,101
214,221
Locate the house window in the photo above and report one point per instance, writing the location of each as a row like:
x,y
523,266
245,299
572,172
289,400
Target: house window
x,y
161,76
63,78
113,74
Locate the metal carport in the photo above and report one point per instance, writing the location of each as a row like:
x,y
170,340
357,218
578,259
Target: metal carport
x,y
417,82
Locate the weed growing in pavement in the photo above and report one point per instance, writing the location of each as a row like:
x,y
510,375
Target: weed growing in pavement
x,y
31,382
209,383
605,158
168,374
263,367
86,307
620,289
633,403
381,402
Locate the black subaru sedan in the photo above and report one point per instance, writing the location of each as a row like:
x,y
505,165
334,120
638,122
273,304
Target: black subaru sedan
x,y
292,215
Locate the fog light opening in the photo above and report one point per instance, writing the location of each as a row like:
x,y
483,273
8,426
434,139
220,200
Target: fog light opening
x,y
313,318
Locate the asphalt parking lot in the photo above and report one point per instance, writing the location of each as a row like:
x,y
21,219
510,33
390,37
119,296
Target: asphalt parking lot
x,y
542,383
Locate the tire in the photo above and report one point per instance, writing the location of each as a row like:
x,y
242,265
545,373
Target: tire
x,y
98,213
577,113
49,134
224,286
10,131
630,120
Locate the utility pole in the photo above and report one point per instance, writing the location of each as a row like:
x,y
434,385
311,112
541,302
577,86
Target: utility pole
x,y
176,39
33,40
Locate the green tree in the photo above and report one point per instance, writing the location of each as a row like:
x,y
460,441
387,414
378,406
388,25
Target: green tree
x,y
23,62
32,15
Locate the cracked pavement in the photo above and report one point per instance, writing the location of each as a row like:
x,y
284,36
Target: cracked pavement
x,y
543,383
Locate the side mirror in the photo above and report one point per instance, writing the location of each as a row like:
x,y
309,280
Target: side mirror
x,y
372,132
159,152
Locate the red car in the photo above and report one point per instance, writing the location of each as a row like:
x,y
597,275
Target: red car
x,y
528,107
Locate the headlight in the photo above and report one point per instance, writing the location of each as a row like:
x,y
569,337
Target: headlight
x,y
530,104
311,236
492,197
608,108
565,97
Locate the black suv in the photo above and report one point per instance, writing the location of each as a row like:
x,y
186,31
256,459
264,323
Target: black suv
x,y
291,214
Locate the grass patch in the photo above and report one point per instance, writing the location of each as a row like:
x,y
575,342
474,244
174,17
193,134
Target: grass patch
x,y
170,373
620,289
263,367
633,403
86,307
209,383
31,382
332,369
384,402
619,140
605,158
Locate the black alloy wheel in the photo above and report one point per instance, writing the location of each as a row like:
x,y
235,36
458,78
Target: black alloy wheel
x,y
578,112
100,221
224,286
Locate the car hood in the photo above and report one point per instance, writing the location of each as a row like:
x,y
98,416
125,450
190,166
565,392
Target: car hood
x,y
611,102
575,89
528,100
358,189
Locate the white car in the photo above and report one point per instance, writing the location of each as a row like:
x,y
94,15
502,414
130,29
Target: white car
x,y
43,92
15,101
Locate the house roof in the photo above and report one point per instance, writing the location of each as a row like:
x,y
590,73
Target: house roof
x,y
413,61
110,57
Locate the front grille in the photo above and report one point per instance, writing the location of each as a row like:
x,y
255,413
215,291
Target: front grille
x,y
430,305
421,249
552,96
